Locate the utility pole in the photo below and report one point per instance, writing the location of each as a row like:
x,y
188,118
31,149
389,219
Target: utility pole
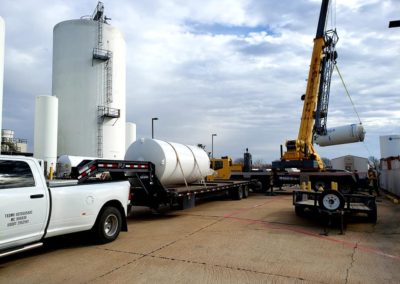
x,y
152,126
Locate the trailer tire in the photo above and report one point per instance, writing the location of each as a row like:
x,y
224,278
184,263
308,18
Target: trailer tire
x,y
331,200
108,225
246,191
237,193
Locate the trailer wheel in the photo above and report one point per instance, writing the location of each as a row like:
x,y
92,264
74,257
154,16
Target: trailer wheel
x,y
108,225
246,191
331,200
237,193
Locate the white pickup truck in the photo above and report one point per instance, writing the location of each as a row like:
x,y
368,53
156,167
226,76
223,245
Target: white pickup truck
x,y
32,209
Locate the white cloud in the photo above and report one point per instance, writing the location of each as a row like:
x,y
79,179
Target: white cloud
x,y
235,68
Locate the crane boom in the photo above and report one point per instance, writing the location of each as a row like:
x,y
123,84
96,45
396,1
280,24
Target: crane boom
x,y
300,153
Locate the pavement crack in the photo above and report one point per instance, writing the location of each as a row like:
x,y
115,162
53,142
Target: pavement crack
x,y
142,255
232,268
351,263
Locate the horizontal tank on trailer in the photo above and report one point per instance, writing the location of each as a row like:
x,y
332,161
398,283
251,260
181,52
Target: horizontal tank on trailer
x,y
341,135
175,163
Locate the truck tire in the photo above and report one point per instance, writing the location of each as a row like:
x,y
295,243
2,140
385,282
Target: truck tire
x,y
108,225
331,200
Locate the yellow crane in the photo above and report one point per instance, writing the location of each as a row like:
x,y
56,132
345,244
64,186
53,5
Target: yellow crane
x,y
300,153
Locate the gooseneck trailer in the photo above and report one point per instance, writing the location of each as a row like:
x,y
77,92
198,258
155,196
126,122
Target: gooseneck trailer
x,y
147,190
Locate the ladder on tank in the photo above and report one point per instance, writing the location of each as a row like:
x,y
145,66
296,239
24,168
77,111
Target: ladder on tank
x,y
105,57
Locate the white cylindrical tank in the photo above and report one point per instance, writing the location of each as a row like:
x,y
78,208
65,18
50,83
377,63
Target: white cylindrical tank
x,y
45,131
65,163
2,40
89,80
174,162
390,146
341,135
130,134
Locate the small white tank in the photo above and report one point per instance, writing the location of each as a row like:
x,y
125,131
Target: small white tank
x,y
175,163
45,135
130,134
341,135
390,146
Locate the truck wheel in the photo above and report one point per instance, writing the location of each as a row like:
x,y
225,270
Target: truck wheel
x,y
331,200
246,191
237,193
108,225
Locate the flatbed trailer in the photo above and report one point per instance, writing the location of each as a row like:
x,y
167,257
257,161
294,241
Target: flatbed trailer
x,y
332,201
147,190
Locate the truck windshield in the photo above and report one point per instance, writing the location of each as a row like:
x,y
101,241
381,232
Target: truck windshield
x,y
15,174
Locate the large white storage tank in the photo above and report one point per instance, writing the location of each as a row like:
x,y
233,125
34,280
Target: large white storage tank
x,y
45,131
390,146
341,135
89,80
2,39
130,134
175,163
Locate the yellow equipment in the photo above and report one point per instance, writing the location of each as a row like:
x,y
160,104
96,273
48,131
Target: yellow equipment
x,y
223,168
300,153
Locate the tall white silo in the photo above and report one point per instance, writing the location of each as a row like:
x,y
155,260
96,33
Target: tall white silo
x,y
89,80
2,38
130,134
45,130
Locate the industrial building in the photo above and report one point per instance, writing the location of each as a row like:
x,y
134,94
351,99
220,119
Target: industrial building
x,y
11,145
390,163
351,163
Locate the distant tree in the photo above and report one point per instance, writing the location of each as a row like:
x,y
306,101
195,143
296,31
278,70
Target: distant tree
x,y
373,162
260,164
239,161
327,162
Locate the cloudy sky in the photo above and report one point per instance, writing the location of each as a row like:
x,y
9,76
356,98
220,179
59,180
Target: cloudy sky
x,y
236,68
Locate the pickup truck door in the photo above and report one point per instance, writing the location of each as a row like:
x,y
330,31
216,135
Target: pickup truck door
x,y
24,203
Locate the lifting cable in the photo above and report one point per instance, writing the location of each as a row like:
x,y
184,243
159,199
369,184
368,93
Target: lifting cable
x,y
348,94
354,107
